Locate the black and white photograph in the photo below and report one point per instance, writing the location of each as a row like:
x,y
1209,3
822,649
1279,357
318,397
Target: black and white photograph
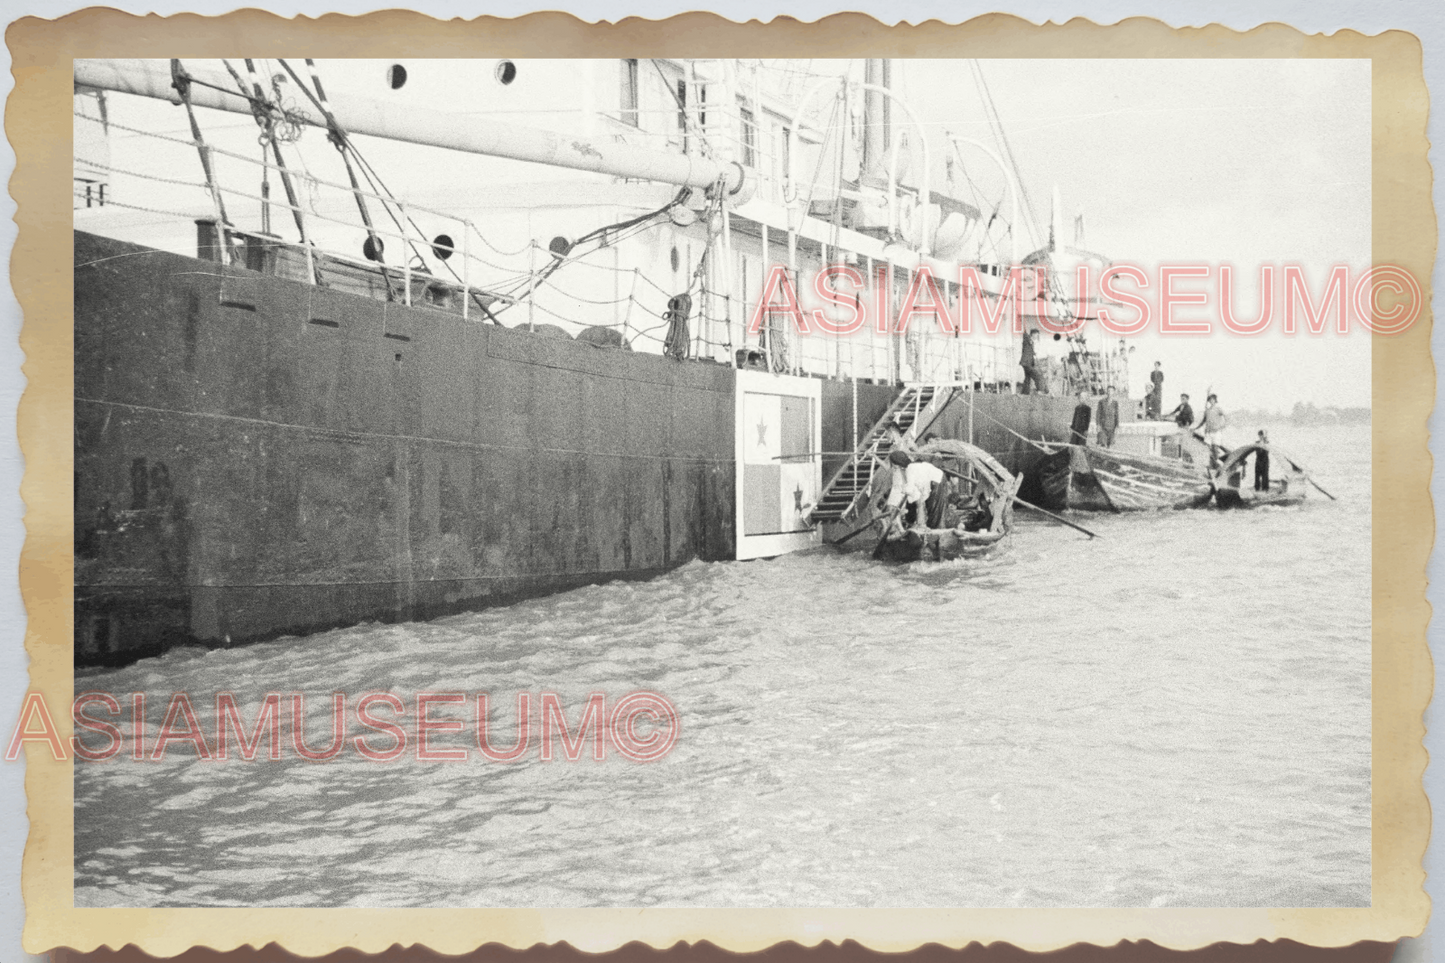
x,y
876,482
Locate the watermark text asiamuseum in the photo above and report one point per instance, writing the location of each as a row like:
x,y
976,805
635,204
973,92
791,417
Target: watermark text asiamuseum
x,y
1185,299
640,726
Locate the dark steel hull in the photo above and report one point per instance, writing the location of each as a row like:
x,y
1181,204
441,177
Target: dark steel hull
x,y
257,457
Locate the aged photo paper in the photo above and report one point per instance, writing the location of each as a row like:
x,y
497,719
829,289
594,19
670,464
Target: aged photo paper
x,y
533,480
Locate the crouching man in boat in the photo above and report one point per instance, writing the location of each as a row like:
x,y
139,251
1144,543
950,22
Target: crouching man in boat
x,y
917,500
974,513
913,505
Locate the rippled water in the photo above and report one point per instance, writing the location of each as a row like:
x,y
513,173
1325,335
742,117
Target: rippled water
x,y
1177,713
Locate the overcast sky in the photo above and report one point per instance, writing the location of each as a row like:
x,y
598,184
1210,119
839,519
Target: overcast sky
x,y
1237,161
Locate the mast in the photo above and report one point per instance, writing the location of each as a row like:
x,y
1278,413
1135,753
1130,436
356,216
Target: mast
x,y
877,172
415,124
1056,214
876,126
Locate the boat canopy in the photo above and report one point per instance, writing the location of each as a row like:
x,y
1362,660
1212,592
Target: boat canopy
x,y
973,455
1238,455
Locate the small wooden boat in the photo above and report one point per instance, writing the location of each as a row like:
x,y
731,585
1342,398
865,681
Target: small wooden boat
x,y
1234,489
1153,466
969,515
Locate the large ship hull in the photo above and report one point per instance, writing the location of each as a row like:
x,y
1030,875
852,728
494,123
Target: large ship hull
x,y
256,456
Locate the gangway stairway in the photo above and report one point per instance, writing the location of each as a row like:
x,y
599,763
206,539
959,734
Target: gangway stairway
x,y
915,408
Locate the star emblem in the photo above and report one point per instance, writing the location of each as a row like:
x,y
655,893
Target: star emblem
x,y
762,434
798,499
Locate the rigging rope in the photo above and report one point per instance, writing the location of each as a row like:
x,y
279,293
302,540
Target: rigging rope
x,y
271,116
681,107
339,137
266,113
374,246
600,233
1039,445
181,81
997,122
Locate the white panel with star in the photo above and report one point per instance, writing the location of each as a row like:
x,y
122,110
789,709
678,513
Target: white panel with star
x,y
762,429
778,470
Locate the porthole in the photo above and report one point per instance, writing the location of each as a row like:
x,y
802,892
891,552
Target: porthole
x,y
506,72
396,76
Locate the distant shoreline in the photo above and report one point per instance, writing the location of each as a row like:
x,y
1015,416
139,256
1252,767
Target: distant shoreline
x,y
1304,414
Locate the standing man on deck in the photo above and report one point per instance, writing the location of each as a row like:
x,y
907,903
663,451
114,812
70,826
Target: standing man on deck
x,y
1028,360
1079,430
1155,399
1108,418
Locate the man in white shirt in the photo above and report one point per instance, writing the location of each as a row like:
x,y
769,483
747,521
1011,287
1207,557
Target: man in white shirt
x,y
919,480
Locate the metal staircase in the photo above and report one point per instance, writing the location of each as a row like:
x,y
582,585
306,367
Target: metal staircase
x,y
915,408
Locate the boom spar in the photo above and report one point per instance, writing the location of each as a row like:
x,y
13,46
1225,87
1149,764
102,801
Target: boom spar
x,y
420,125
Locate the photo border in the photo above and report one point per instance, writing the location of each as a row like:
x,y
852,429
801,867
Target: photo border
x,y
1403,233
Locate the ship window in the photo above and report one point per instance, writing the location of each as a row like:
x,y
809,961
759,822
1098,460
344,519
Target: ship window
x,y
628,99
506,72
682,112
396,76
750,137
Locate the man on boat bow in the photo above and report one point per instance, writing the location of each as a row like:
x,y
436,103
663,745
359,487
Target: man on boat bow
x,y
1213,424
1108,418
1079,430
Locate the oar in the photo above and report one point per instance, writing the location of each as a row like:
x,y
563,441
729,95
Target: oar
x,y
1062,521
1216,452
1308,477
859,531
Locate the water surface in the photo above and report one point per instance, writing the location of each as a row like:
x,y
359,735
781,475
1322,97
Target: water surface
x,y
1176,713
